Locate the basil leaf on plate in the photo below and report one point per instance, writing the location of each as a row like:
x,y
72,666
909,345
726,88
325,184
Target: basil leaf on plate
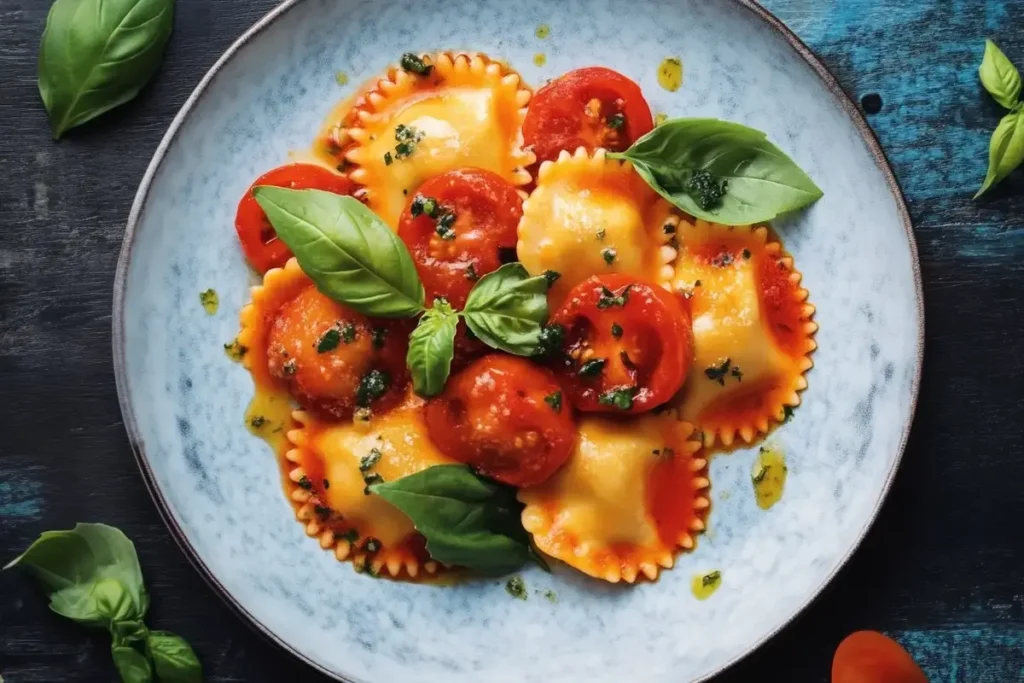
x,y
1006,150
720,171
431,349
999,76
97,54
507,309
350,253
90,573
131,664
467,520
173,658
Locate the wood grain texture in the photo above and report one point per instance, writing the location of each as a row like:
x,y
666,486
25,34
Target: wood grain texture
x,y
942,568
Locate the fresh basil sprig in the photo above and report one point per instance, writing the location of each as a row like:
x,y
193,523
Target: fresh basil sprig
x,y
97,54
431,349
91,575
468,521
720,171
346,249
507,308
1006,150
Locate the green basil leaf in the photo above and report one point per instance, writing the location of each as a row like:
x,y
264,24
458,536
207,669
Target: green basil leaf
x,y
999,76
431,349
761,181
128,631
1006,151
507,309
173,658
90,573
350,253
97,54
467,520
131,664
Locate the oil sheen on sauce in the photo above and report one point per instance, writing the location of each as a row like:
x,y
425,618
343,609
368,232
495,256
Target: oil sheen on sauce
x,y
769,475
269,416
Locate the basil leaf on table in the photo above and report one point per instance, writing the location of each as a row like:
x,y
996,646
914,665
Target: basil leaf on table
x,y
173,658
761,182
350,253
431,349
999,76
1006,150
131,664
90,573
467,520
97,54
507,308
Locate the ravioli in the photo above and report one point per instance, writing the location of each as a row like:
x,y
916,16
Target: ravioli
x,y
630,495
468,111
752,330
332,464
590,215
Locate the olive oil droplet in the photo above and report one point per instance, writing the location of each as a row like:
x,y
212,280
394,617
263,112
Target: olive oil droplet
x,y
540,59
209,300
660,118
704,585
670,73
769,476
341,78
543,31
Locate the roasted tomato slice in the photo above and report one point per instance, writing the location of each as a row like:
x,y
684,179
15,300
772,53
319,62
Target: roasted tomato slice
x,y
870,657
259,241
505,417
335,359
590,107
458,227
627,345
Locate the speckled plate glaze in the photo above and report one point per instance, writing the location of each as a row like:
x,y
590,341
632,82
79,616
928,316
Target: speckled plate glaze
x,y
219,488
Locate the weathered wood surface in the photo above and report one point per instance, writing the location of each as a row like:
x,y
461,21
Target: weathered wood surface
x,y
943,568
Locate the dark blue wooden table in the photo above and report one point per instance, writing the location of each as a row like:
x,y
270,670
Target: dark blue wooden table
x,y
943,568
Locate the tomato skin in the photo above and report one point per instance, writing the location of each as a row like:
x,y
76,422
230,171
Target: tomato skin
x,y
645,341
487,210
327,382
870,657
578,110
493,416
259,241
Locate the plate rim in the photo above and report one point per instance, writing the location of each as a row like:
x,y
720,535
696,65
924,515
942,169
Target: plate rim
x,y
124,261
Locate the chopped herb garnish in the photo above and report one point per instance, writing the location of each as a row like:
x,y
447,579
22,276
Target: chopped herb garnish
x,y
257,421
550,595
516,588
706,190
348,333
601,233
372,545
372,386
370,459
555,401
351,536
235,351
621,398
406,137
415,64
616,330
322,511
724,259
329,341
608,299
445,226
787,414
592,368
378,336
761,473
746,254
608,254
327,484
551,339
616,120
387,159
552,277
711,578
305,483
370,480
717,373
735,372
290,367
471,273
668,229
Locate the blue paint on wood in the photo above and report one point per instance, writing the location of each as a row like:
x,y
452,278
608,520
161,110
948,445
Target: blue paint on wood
x,y
20,498
968,654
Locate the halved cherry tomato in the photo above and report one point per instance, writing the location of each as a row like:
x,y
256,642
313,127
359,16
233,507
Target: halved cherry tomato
x,y
456,225
627,344
590,107
259,241
505,417
870,657
335,359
